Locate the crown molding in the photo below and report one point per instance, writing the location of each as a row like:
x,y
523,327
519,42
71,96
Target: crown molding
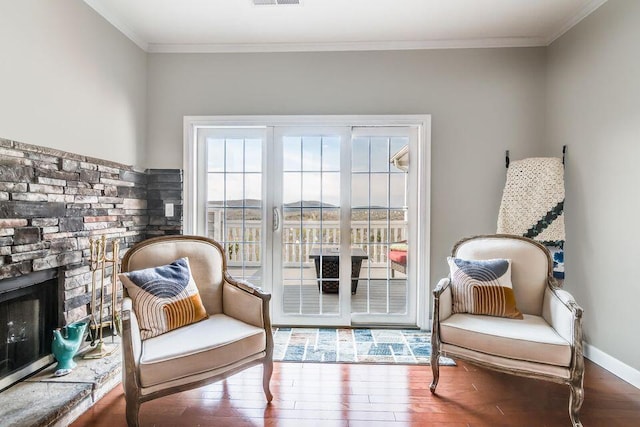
x,y
574,19
115,20
347,46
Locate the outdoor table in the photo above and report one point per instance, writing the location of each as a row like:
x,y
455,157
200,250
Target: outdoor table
x,y
328,270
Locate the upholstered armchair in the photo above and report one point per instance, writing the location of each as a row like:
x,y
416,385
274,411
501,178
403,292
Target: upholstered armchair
x,y
234,335
546,343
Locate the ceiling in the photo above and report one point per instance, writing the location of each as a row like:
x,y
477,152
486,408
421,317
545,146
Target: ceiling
x,y
323,25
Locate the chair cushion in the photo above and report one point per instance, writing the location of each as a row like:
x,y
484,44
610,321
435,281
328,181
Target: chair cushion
x,y
530,339
164,297
483,287
399,247
210,344
398,256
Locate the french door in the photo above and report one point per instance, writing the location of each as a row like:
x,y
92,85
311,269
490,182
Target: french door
x,y
323,217
310,237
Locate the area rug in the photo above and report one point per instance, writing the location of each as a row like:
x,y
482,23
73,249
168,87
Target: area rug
x,y
392,346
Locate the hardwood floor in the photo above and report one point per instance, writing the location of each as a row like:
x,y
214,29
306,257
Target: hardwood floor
x,y
327,395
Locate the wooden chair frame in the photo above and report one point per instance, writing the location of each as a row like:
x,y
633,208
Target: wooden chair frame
x,y
132,385
576,368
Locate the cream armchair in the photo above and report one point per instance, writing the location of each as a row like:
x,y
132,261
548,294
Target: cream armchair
x,y
546,344
235,336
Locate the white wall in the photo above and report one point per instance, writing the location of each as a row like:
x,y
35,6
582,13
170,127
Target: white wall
x,y
71,81
594,108
482,102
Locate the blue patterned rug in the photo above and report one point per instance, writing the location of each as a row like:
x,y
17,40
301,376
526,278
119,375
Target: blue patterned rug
x,y
395,346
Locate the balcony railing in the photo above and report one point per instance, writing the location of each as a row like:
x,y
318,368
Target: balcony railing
x,y
298,239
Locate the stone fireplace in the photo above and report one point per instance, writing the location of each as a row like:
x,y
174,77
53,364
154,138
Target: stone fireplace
x,y
52,203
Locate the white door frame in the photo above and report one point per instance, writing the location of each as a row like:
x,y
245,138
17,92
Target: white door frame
x,y
192,125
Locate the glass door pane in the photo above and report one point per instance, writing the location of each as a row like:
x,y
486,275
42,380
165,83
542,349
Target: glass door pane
x,y
309,238
380,226
234,199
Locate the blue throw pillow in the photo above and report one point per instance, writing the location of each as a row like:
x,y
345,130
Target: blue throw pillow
x,y
164,298
483,287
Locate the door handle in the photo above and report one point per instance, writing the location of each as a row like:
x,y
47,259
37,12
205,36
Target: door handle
x,y
276,219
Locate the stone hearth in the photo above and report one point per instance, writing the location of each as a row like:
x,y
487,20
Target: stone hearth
x,y
46,400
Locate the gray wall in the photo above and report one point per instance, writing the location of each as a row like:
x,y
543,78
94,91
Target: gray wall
x,y
594,108
482,101
71,81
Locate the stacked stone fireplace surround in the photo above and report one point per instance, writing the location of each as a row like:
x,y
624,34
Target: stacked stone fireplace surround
x,y
52,203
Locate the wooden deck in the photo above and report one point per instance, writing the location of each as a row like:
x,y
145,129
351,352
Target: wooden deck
x,y
372,296
375,294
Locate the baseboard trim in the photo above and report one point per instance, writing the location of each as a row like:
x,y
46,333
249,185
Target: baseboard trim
x,y
613,365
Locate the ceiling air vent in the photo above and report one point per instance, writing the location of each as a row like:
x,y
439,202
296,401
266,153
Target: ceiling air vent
x,y
264,2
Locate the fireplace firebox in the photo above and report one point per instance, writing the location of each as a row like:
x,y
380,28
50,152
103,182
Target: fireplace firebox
x,y
28,314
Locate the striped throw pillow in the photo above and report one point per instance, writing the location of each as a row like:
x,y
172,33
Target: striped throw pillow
x,y
164,298
483,287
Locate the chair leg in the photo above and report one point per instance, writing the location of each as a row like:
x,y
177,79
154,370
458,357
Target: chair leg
x,y
267,370
133,407
435,366
576,397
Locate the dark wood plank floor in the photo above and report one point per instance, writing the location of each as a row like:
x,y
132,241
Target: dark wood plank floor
x,y
329,395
